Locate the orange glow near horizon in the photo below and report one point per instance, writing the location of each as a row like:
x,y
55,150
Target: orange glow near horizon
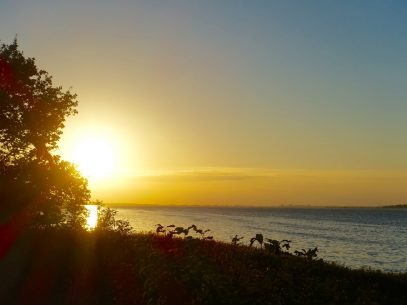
x,y
256,187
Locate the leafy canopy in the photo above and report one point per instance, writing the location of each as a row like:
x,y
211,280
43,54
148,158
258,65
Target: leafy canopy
x,y
34,182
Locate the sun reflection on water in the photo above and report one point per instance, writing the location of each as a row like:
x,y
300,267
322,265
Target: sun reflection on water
x,y
92,219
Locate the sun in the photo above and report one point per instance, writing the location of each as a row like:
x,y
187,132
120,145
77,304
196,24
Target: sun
x,y
94,157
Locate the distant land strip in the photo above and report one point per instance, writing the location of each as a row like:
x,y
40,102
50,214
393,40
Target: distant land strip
x,y
396,206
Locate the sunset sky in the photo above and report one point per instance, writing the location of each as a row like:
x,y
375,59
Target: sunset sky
x,y
229,102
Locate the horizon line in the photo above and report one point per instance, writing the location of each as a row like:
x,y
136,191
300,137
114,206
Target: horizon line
x,y
246,206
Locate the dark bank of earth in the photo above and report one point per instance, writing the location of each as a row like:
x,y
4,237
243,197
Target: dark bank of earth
x,y
66,267
396,206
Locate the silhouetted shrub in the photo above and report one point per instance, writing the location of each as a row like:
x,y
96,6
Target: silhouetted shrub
x,y
258,238
309,254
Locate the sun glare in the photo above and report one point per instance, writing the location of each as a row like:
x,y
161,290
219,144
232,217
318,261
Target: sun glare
x,y
94,157
92,218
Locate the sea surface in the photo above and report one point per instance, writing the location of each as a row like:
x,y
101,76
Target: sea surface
x,y
374,238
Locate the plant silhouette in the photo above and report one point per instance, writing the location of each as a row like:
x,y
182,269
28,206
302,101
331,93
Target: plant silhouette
x,y
236,240
277,247
172,230
309,254
258,238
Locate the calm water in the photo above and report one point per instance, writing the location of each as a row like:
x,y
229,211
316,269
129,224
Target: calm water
x,y
355,237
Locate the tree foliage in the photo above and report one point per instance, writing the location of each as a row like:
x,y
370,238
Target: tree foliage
x,y
34,182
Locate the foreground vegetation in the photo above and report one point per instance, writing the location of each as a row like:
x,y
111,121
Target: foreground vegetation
x,y
65,266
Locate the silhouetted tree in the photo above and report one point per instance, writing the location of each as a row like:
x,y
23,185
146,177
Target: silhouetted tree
x,y
35,185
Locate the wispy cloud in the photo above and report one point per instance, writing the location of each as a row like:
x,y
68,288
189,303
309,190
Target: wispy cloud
x,y
208,174
234,173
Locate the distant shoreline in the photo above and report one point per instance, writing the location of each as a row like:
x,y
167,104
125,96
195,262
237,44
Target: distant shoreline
x,y
288,206
396,206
